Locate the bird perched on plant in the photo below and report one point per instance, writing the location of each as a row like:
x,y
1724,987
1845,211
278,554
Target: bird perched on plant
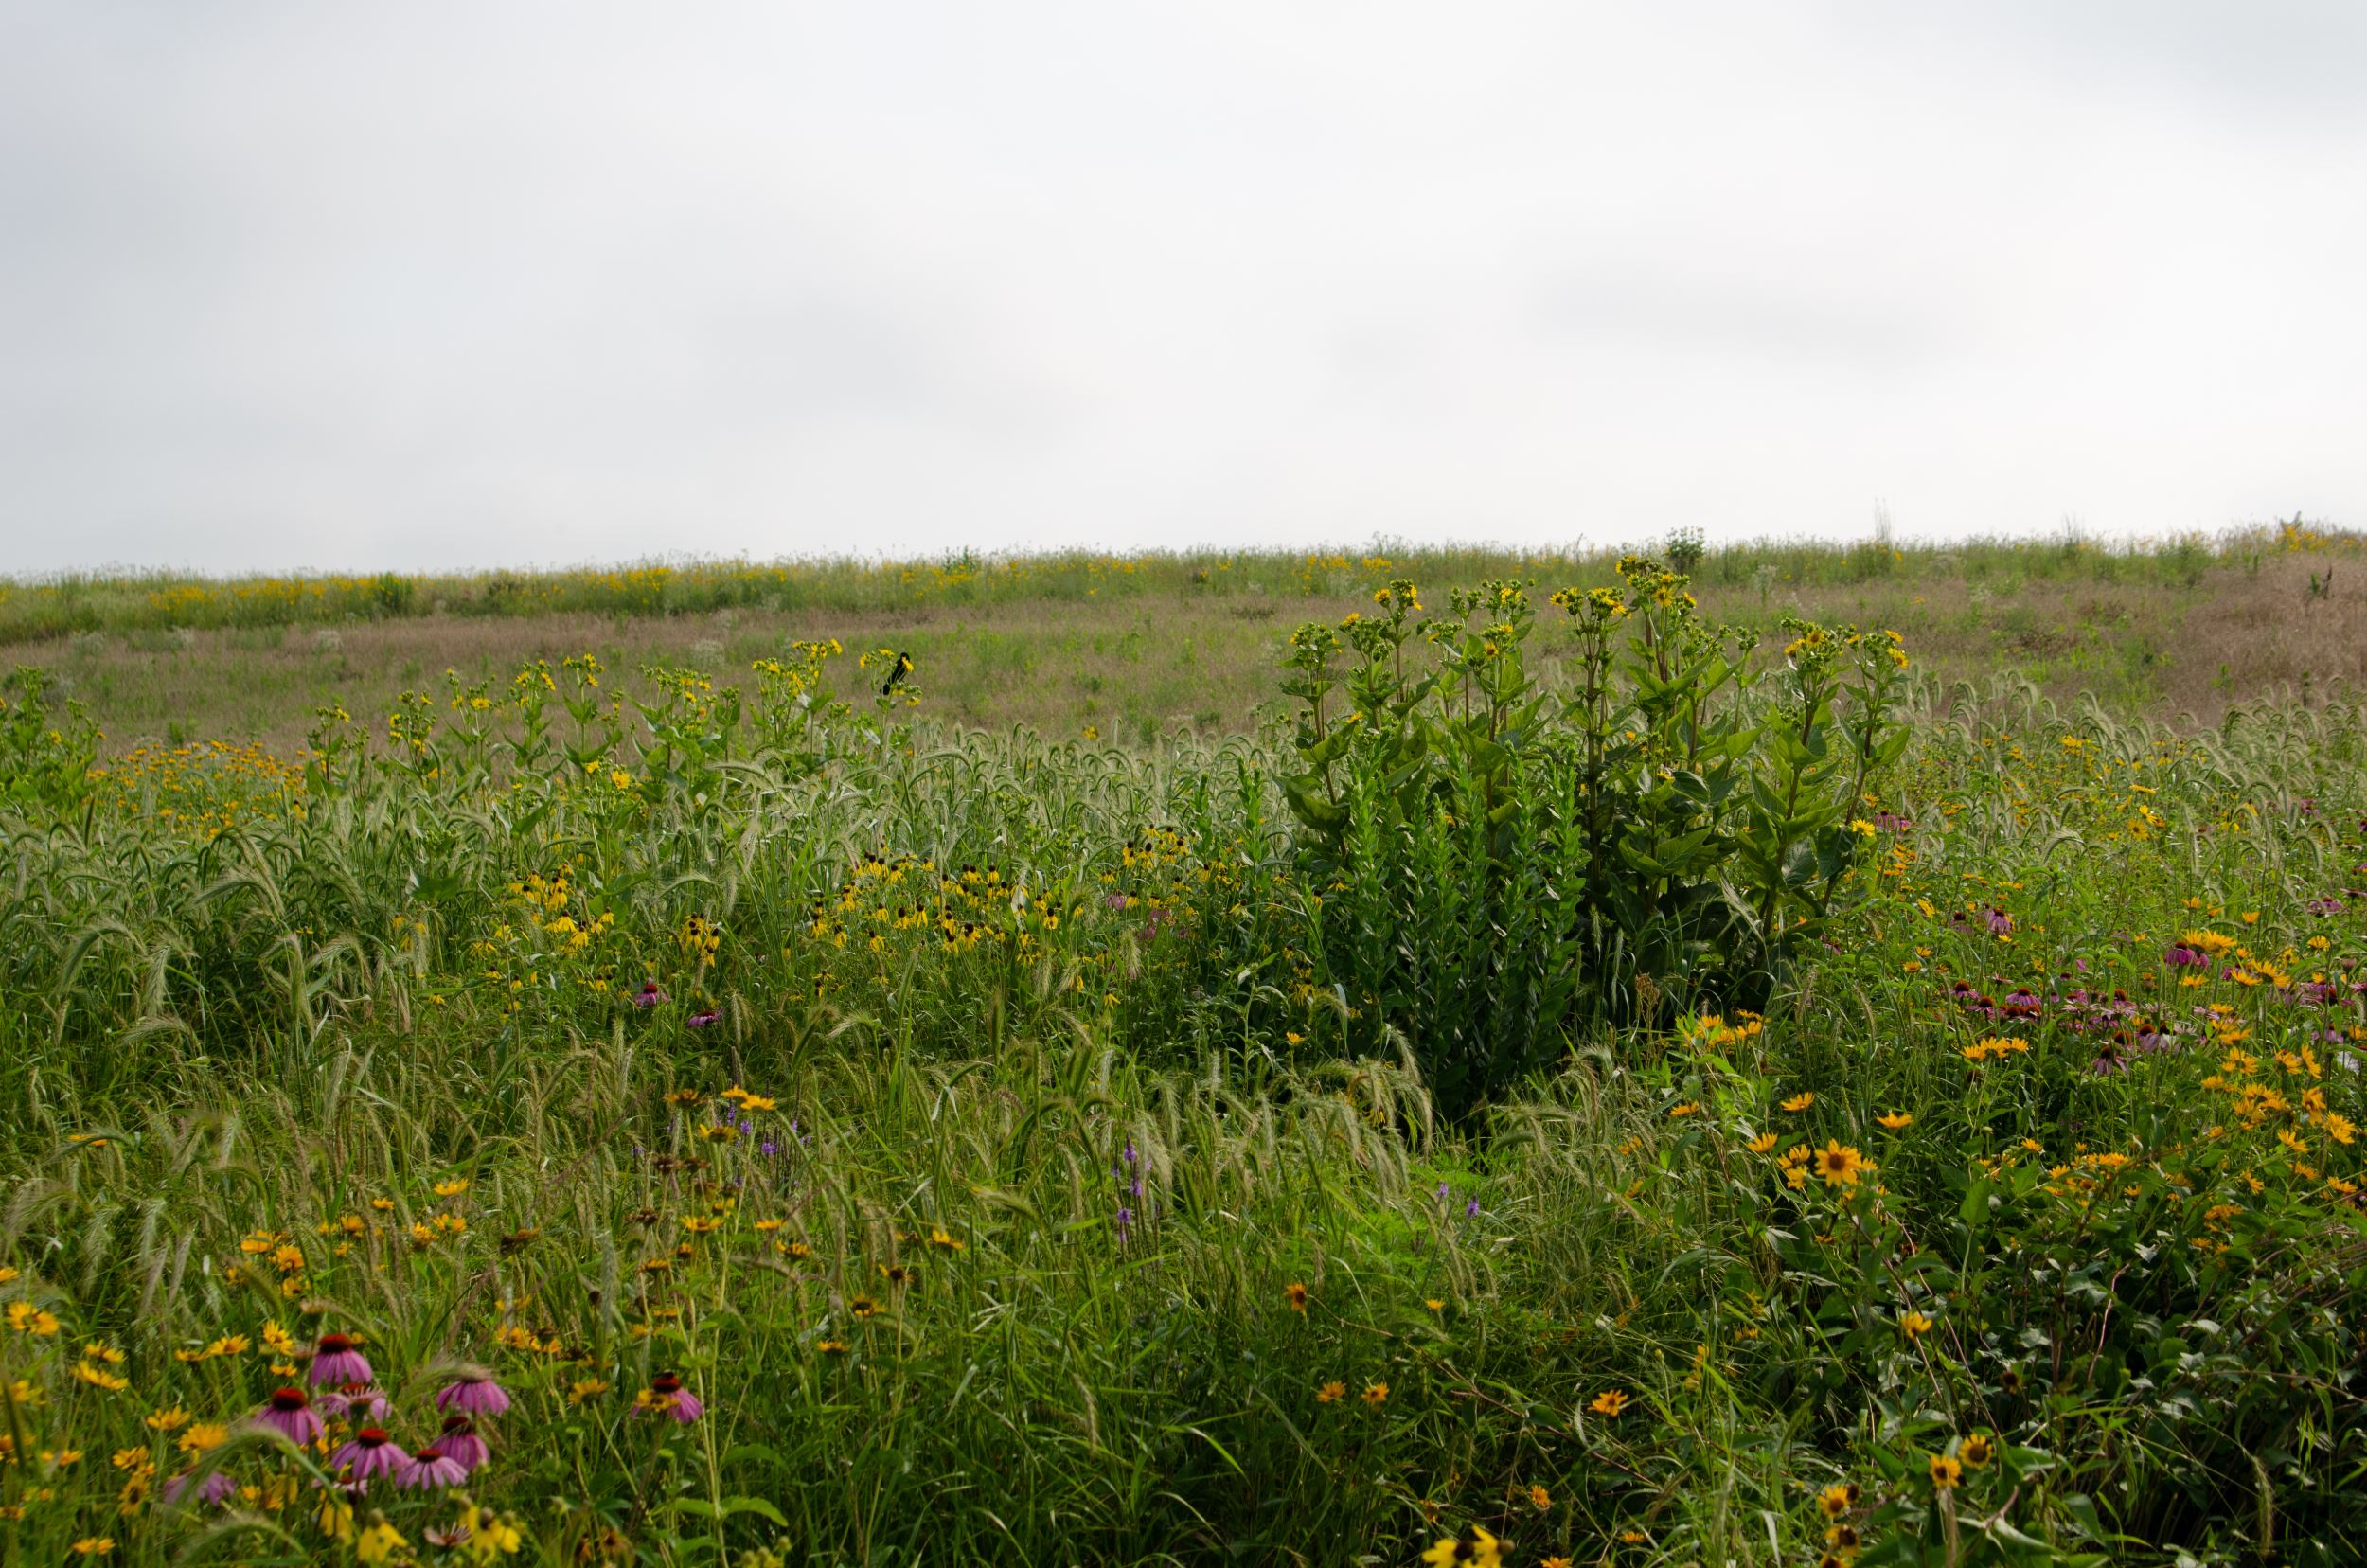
x,y
896,671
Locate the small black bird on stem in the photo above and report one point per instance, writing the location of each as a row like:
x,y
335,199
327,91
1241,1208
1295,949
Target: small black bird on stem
x,y
901,668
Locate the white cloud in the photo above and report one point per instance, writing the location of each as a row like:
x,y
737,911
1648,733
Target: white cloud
x,y
451,285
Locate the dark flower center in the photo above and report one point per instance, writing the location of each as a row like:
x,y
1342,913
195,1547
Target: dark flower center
x,y
335,1345
457,1424
289,1400
370,1436
665,1382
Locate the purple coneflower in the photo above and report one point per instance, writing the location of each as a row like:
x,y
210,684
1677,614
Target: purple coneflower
x,y
368,1454
650,995
473,1394
337,1362
2000,923
701,1020
351,1400
666,1393
428,1469
290,1413
2183,957
461,1442
214,1489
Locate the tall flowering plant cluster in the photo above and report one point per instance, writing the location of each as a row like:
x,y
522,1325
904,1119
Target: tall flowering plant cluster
x,y
325,1452
1509,839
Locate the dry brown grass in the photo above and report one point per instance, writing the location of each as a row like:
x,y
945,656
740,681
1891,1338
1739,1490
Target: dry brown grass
x,y
1135,668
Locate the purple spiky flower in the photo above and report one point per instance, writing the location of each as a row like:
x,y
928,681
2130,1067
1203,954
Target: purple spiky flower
x,y
337,1361
472,1394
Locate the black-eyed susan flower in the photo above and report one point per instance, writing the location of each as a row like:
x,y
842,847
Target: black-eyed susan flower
x,y
1977,1451
1377,1395
1482,1550
1611,1401
1914,1325
1295,1294
1799,1102
1898,1121
1331,1392
1839,1165
1945,1472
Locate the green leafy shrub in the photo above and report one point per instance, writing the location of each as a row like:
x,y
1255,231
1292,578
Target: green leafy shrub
x,y
1505,846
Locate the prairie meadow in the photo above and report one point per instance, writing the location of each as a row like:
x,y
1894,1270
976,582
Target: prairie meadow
x,y
1765,1057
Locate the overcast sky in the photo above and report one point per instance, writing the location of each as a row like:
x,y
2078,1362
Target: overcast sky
x,y
346,286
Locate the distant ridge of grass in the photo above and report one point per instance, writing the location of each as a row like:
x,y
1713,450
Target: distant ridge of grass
x,y
35,609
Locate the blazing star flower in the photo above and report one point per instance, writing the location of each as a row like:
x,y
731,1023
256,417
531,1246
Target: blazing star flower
x,y
666,1393
289,1412
473,1393
461,1442
368,1454
336,1362
428,1469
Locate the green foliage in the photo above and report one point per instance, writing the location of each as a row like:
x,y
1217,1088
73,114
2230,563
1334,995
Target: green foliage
x,y
955,1113
1504,863
46,756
